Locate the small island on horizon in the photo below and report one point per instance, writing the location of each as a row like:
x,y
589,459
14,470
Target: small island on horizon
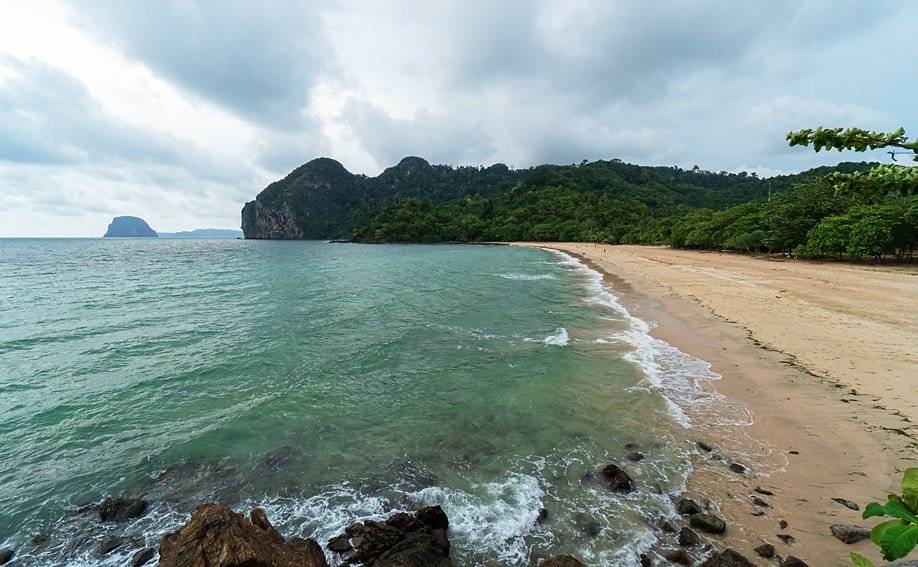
x,y
136,227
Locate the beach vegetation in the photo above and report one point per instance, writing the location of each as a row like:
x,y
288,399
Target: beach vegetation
x,y
897,537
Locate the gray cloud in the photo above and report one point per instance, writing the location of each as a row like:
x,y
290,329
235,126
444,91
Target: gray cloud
x,y
258,60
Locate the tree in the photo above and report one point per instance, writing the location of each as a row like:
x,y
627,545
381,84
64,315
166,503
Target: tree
x,y
878,182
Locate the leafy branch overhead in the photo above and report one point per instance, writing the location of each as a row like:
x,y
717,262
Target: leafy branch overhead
x,y
880,181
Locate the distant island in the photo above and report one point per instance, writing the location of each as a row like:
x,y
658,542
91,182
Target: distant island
x,y
203,233
129,227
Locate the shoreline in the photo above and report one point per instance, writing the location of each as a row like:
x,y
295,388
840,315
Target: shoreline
x,y
833,434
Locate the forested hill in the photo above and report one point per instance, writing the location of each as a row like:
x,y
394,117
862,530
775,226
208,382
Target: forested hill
x,y
418,202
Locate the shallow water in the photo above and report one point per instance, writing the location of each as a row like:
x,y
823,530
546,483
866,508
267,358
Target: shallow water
x,y
331,383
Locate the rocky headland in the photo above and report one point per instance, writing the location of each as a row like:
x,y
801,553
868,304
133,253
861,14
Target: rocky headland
x,y
129,227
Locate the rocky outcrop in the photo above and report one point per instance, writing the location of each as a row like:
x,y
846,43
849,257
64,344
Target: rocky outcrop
x,y
403,540
127,227
119,509
708,523
619,481
215,536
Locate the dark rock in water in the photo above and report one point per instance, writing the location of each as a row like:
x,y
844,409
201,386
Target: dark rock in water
x,y
791,561
847,504
402,540
619,480
635,456
688,538
764,492
6,555
787,539
110,544
631,446
848,533
765,550
678,556
708,523
738,468
142,556
705,446
561,561
542,517
645,561
727,558
123,227
118,509
782,524
668,527
687,506
433,517
215,536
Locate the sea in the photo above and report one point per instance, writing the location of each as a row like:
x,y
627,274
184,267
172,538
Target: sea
x,y
332,383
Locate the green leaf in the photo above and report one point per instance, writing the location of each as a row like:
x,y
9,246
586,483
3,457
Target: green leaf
x,y
897,541
878,530
894,508
861,561
874,509
910,488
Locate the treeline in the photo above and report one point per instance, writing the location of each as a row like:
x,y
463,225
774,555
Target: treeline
x,y
615,202
809,220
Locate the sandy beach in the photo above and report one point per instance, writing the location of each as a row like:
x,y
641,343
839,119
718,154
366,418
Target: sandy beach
x,y
825,358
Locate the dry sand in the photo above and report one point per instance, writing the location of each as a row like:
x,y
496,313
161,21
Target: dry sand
x,y
824,355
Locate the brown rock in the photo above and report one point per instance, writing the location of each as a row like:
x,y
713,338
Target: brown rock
x,y
727,558
678,556
765,550
792,561
619,480
215,536
708,523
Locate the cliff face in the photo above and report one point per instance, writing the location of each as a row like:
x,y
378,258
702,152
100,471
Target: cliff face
x,y
322,199
121,227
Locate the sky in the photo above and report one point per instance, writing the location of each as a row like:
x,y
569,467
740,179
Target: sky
x,y
180,111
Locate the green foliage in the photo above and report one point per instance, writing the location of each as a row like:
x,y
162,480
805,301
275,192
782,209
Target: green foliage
x,y
896,538
878,182
861,561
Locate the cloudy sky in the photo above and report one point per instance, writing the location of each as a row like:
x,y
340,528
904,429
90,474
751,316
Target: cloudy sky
x,y
179,111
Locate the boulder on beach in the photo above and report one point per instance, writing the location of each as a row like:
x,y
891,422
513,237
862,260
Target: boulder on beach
x,y
119,509
215,536
727,558
619,480
708,523
561,561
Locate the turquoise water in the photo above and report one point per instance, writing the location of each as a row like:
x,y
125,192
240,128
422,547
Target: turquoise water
x,y
330,383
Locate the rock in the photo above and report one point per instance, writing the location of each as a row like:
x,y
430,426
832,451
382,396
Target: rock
x,y
791,561
433,517
561,561
678,556
906,563
738,468
542,517
215,536
787,539
756,501
849,533
764,492
782,524
142,556
688,538
765,550
705,446
619,480
119,509
402,540
687,506
339,544
708,523
847,504
109,544
6,555
129,227
645,561
727,558
635,456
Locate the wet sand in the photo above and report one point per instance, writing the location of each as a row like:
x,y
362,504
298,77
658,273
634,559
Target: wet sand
x,y
824,356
